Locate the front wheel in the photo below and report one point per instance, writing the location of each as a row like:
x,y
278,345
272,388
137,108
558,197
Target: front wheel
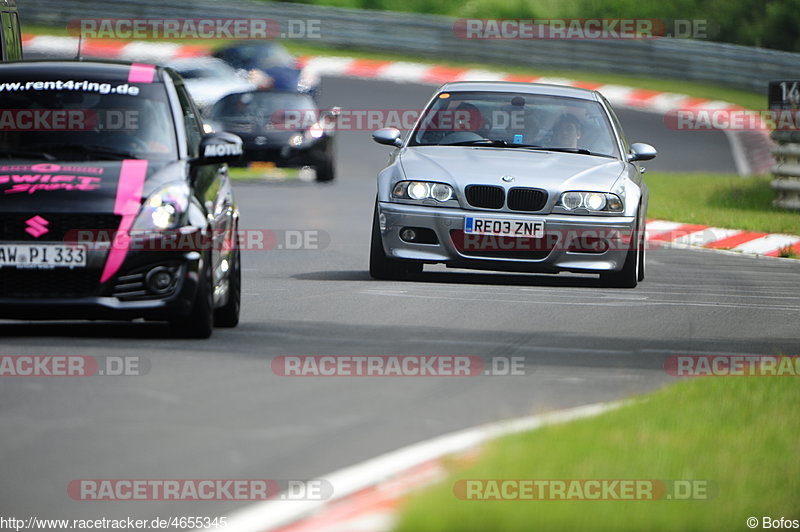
x,y
228,315
633,270
200,322
326,171
382,267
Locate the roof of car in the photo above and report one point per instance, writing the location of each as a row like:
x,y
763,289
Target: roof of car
x,y
83,69
512,86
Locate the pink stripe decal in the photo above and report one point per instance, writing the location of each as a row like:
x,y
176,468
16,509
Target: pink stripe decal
x,y
129,199
141,73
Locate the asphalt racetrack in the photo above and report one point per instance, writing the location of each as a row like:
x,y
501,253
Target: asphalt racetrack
x,y
216,409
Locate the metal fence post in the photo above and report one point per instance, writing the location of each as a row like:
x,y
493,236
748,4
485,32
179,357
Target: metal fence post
x,y
787,169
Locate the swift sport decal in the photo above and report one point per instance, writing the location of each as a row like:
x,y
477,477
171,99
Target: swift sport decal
x,y
29,179
127,203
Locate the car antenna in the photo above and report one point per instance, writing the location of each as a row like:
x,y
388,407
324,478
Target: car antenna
x,y
78,56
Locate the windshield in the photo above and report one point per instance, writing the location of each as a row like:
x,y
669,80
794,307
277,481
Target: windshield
x,y
265,107
85,120
259,56
210,69
507,119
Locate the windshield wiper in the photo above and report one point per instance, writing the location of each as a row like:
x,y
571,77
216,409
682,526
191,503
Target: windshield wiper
x,y
28,153
477,142
580,151
90,149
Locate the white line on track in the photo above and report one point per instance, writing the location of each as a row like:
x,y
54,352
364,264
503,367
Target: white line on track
x,y
604,304
273,514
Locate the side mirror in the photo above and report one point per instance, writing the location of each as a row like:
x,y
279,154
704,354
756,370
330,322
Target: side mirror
x,y
641,152
220,147
389,136
330,115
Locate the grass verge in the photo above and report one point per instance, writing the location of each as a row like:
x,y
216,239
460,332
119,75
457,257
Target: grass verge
x,y
266,172
718,200
739,433
746,99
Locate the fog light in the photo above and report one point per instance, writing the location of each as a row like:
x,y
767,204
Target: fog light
x,y
159,280
409,235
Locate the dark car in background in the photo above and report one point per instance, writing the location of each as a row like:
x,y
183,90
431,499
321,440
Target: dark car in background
x,y
115,206
270,66
284,128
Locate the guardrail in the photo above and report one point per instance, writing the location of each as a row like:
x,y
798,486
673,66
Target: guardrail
x,y
433,36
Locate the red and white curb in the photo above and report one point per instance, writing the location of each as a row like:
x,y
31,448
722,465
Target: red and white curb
x,y
367,496
751,149
704,236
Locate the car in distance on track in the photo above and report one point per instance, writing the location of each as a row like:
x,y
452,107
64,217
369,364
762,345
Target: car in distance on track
x,y
512,177
208,79
285,128
114,205
270,65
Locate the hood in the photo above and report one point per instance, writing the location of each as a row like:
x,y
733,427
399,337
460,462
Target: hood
x,y
76,187
552,171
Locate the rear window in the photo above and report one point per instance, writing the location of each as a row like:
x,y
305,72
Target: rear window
x,y
83,119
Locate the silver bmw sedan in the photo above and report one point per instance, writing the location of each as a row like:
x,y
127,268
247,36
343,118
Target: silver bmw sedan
x,y
513,177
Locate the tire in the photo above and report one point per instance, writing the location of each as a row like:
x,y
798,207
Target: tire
x,y
326,171
228,314
200,323
633,270
382,267
642,256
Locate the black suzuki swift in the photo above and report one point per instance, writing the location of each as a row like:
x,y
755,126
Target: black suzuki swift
x,y
114,204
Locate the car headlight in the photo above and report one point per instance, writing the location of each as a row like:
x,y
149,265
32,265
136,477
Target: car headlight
x,y
314,132
591,201
164,208
422,190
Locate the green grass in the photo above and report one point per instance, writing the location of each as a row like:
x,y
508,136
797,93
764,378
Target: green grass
x,y
718,200
264,172
740,433
745,99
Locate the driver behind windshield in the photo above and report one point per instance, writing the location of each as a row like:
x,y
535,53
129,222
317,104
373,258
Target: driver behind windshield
x,y
567,132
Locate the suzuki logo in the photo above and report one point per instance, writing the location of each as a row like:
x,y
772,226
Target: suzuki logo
x,y
37,226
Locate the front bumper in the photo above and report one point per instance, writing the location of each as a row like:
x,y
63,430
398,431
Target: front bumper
x,y
559,250
310,153
78,294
